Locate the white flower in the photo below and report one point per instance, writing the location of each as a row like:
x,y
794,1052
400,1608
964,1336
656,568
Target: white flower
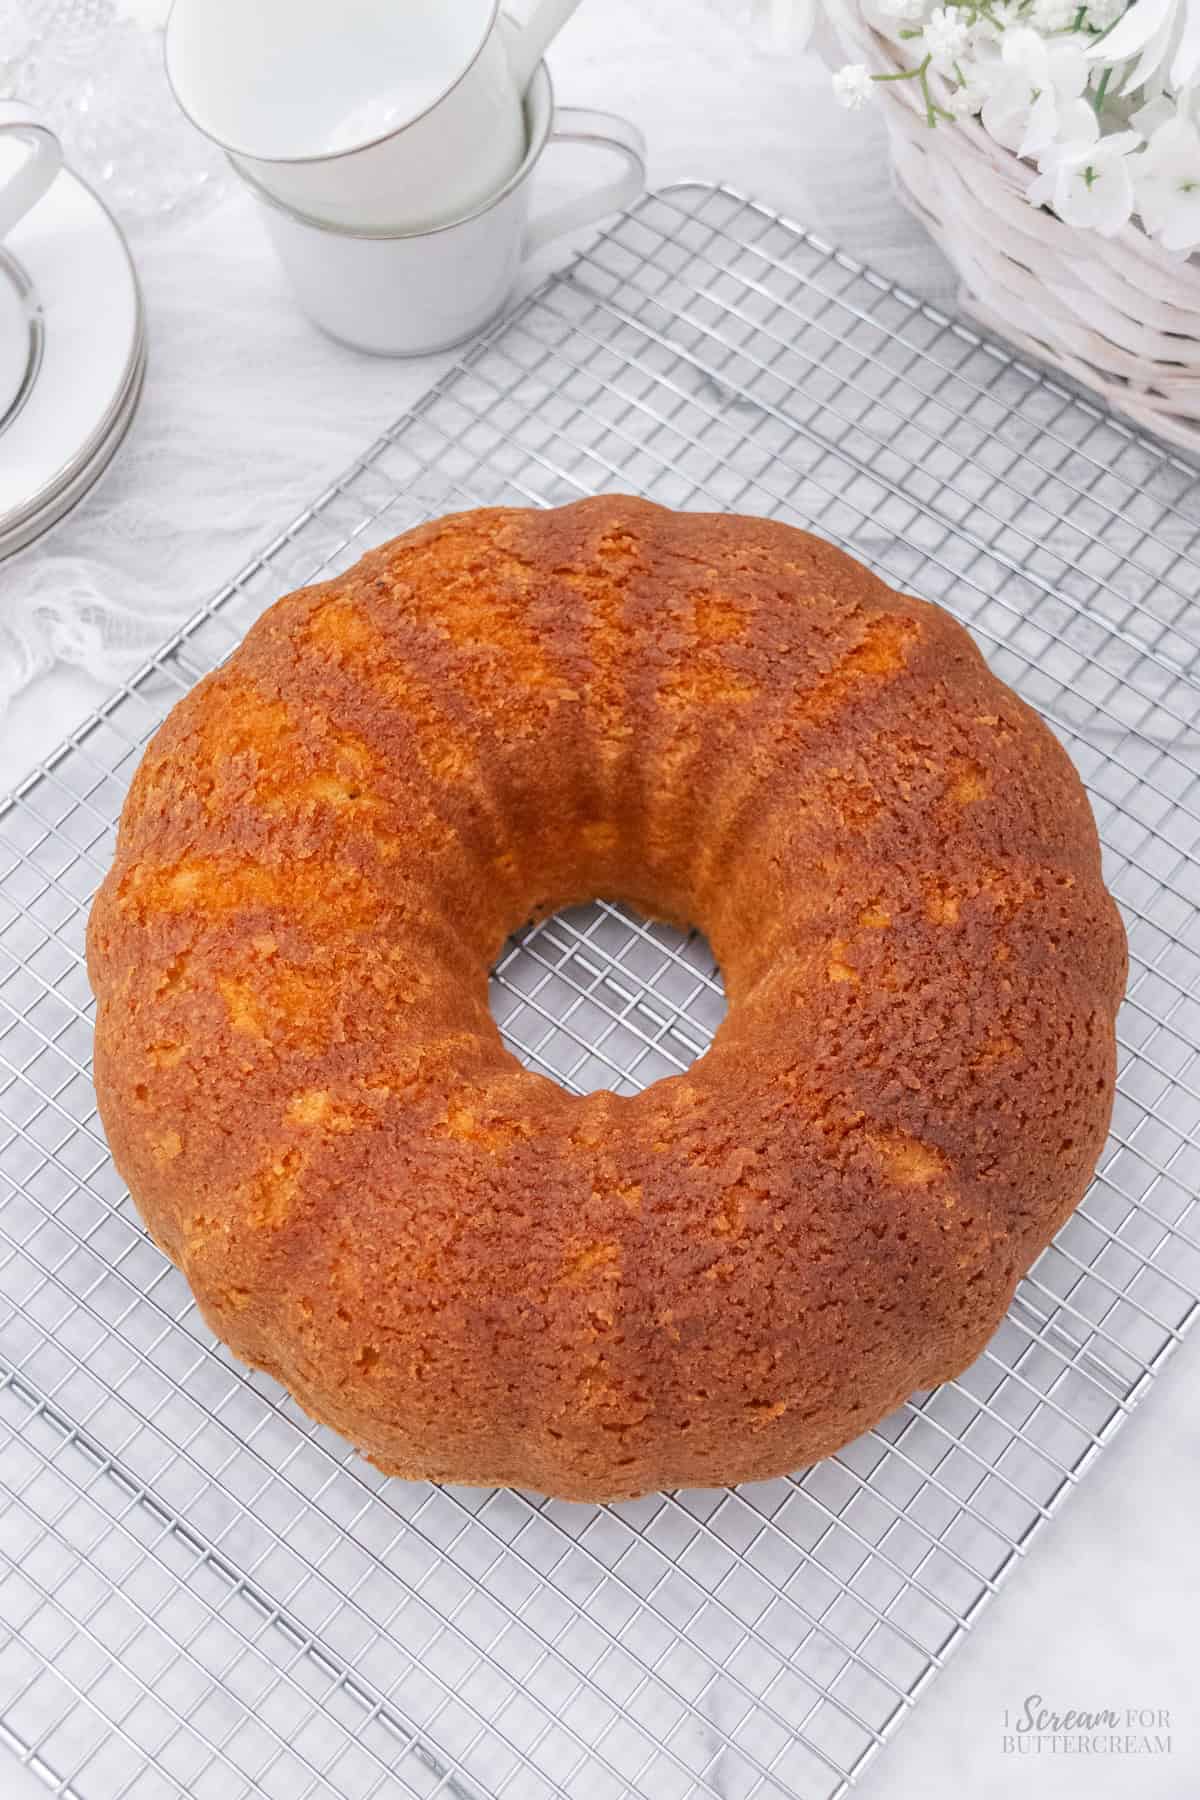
x,y
1164,35
1027,50
853,85
1007,103
1086,178
1096,191
1167,185
1103,13
1054,15
1036,78
1148,118
945,36
1079,128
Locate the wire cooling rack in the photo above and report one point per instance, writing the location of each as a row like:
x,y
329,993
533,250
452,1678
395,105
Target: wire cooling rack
x,y
201,1592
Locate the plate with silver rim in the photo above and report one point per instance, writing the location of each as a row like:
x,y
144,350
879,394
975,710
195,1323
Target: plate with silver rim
x,y
72,356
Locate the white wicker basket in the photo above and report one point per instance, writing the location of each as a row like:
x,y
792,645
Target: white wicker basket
x,y
1118,314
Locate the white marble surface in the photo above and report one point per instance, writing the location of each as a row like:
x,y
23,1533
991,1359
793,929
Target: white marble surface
x,y
1105,1614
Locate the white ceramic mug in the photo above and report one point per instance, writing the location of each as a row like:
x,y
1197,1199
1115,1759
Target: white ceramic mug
x,y
411,293
392,115
29,181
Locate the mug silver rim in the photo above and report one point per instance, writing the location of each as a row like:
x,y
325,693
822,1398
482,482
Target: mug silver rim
x,y
17,531
383,234
21,282
317,156
90,455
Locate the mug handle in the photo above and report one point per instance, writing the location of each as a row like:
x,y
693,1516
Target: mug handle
x,y
534,38
35,174
601,131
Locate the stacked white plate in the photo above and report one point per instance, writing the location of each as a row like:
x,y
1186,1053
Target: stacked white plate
x,y
72,356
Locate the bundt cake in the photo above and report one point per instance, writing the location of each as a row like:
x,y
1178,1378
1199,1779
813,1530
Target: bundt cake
x,y
470,1273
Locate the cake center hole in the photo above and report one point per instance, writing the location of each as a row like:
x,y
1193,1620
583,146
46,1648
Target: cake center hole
x,y
600,997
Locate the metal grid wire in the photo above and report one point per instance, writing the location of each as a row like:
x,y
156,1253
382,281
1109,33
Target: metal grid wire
x,y
203,1593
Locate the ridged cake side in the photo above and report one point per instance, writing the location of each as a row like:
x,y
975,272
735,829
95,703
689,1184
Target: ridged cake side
x,y
471,1274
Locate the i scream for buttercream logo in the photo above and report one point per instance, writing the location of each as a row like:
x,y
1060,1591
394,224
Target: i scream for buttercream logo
x,y
1037,1729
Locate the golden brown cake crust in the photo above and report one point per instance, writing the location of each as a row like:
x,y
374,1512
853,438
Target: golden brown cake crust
x,y
471,1274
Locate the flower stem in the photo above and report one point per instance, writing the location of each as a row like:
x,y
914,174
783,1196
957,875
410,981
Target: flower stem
x,y
933,112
